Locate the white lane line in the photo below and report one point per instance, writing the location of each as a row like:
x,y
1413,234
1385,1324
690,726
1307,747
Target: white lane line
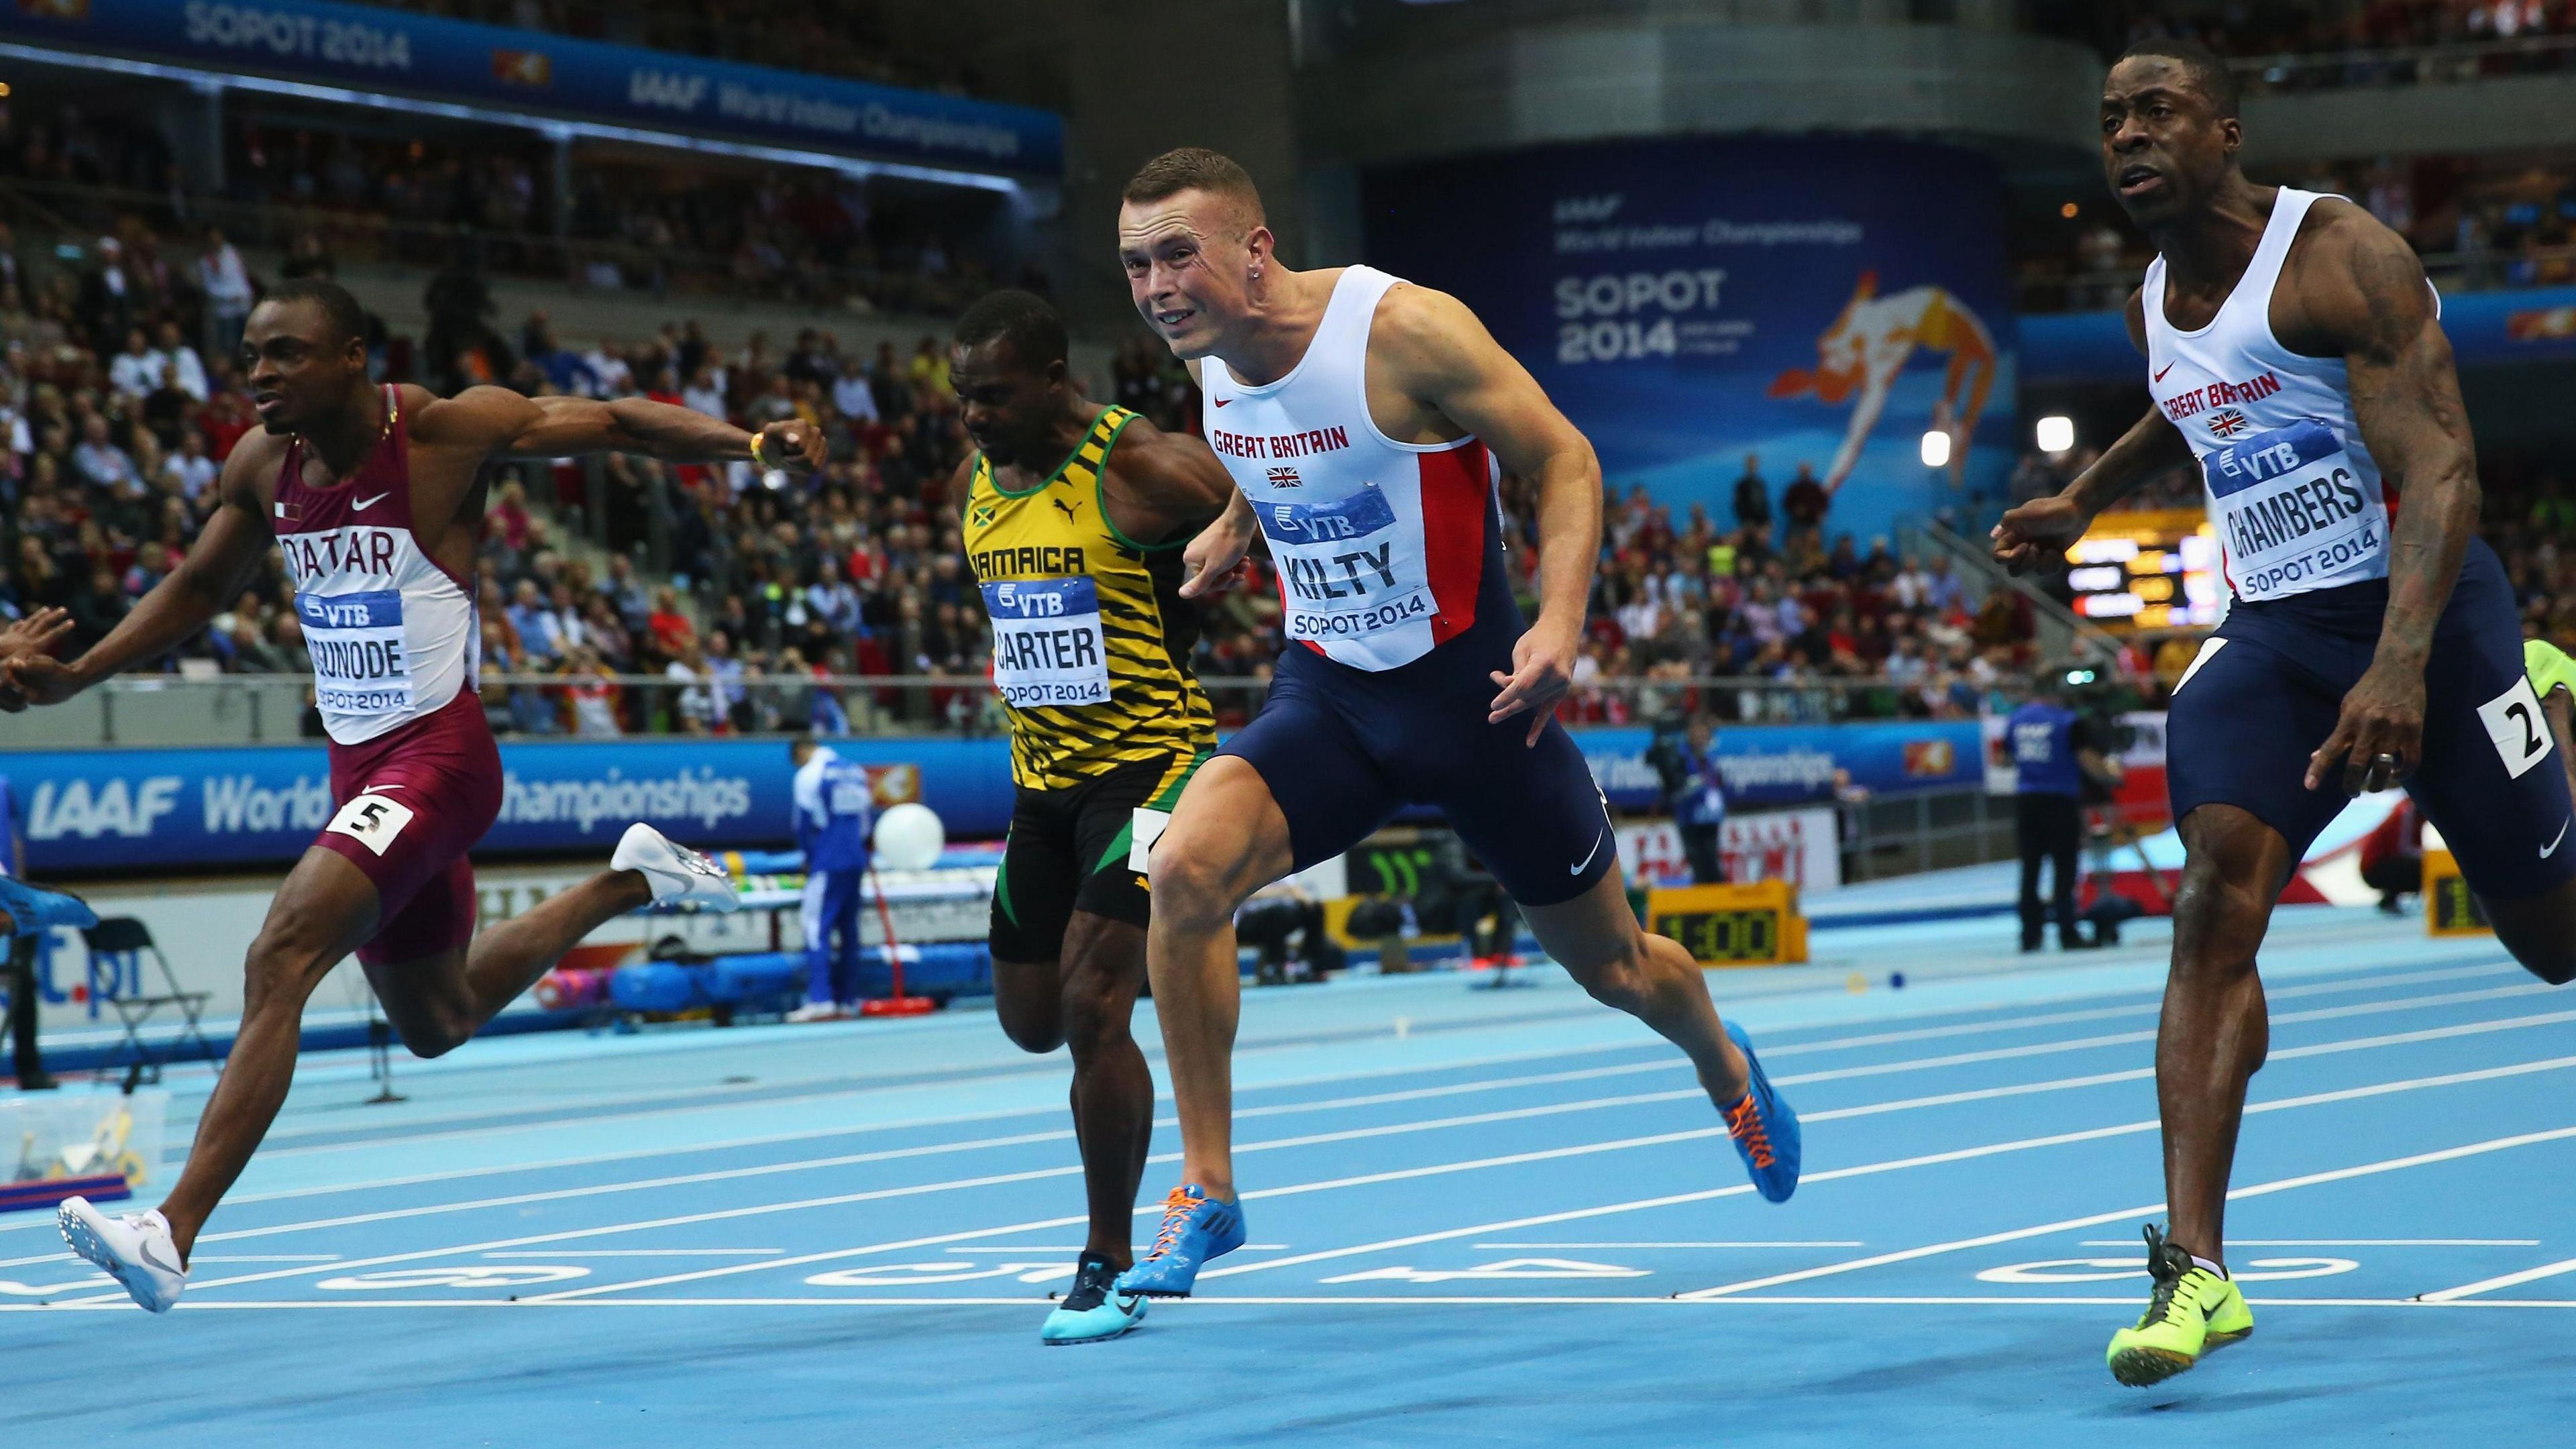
x,y
2506,1280
1037,1174
1201,1304
1744,1243
1551,1109
1924,1160
1397,1175
1501,1059
2394,1164
2341,1243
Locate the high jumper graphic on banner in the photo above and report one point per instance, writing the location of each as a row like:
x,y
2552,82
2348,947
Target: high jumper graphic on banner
x,y
1858,358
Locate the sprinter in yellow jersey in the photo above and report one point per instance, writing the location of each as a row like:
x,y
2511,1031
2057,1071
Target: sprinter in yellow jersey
x,y
1076,521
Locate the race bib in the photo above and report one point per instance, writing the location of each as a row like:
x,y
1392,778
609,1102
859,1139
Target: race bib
x,y
1048,648
360,662
1340,568
1144,828
2295,513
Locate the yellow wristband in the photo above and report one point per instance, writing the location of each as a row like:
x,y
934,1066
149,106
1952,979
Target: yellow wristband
x,y
756,460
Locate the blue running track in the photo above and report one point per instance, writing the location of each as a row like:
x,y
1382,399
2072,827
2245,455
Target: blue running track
x,y
1476,1217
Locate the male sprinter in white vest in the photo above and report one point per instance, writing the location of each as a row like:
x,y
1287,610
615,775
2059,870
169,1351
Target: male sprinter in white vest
x,y
1366,422
2295,350
375,496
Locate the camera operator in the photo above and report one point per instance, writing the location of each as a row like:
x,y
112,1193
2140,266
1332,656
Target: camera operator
x,y
2058,757
1693,792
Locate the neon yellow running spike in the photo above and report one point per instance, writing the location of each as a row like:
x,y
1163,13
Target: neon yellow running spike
x,y
2548,666
2193,1312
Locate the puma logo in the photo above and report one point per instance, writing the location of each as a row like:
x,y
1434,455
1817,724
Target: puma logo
x,y
1067,509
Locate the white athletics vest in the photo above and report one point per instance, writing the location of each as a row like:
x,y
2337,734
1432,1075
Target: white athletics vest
x,y
1380,545
393,635
2293,491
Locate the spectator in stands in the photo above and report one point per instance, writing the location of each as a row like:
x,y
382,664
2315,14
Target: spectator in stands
x,y
1753,497
181,367
225,282
540,631
1805,502
137,370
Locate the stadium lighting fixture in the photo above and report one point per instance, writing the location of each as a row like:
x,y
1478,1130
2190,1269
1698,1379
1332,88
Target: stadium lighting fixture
x,y
1936,449
2056,433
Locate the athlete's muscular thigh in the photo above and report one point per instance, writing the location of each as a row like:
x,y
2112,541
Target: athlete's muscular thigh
x,y
1227,838
321,913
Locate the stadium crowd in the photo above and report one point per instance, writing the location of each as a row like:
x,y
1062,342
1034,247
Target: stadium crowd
x,y
330,196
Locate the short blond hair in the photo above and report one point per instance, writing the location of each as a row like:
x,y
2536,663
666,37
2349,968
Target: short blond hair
x,y
1196,168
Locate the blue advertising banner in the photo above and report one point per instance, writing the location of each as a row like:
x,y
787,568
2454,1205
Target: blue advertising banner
x,y
95,810
1686,302
2487,329
1767,765
117,809
372,49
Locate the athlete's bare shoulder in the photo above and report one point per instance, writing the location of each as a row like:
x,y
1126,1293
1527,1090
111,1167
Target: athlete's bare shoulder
x,y
249,477
2136,314
1427,349
2350,283
1423,326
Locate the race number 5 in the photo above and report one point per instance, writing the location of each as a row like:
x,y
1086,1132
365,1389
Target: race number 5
x,y
2514,722
372,820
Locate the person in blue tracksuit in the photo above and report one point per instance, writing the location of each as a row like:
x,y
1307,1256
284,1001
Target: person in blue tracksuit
x,y
834,814
2054,751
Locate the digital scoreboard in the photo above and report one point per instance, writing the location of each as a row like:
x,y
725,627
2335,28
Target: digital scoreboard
x,y
2148,569
1731,925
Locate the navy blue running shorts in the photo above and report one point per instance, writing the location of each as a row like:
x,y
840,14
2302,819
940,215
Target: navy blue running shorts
x,y
1344,749
2268,687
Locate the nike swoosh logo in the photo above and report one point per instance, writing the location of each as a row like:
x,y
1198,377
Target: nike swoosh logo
x,y
1577,867
144,1251
364,504
1221,401
2551,848
2160,372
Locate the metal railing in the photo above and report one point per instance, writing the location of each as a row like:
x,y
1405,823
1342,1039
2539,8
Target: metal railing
x,y
235,709
2444,63
2492,270
1924,830
2063,634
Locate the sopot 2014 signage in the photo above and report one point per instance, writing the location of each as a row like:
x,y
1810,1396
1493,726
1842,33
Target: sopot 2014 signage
x,y
1686,302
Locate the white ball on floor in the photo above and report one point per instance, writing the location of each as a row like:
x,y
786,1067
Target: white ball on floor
x,y
909,837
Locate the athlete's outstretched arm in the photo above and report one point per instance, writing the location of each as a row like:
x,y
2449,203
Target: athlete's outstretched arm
x,y
1437,351
2039,531
504,424
211,576
2368,300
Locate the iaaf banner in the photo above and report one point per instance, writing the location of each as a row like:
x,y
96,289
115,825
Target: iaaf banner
x,y
99,810
119,809
1824,301
375,49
